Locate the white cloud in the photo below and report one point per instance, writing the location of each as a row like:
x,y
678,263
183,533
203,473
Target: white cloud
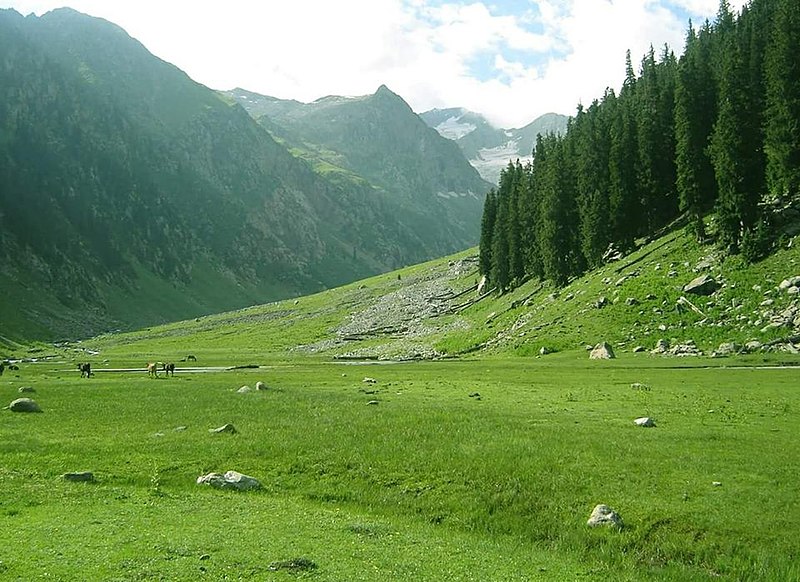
x,y
544,59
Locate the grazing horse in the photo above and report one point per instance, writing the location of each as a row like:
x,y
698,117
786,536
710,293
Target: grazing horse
x,y
169,369
191,358
152,369
86,370
2,368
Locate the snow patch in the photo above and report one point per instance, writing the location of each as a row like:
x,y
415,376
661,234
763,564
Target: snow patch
x,y
453,128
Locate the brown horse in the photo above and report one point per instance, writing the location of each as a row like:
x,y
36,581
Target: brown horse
x,y
152,369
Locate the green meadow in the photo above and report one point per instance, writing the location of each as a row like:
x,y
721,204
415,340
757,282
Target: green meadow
x,y
470,469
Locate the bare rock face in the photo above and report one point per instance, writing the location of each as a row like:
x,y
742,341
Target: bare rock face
x,y
602,351
604,515
230,480
24,405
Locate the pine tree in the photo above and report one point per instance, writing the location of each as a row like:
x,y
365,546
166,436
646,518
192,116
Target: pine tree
x,y
487,230
782,139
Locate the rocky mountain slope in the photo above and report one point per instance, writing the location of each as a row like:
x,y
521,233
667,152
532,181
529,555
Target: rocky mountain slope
x,y
379,138
488,148
130,194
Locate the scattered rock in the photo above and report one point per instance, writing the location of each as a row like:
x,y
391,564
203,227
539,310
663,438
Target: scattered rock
x,y
604,515
790,282
543,351
725,350
368,380
225,428
84,476
26,389
716,483
293,565
602,351
373,403
753,346
475,395
244,390
260,386
662,347
705,284
631,301
639,349
601,302
645,421
24,405
179,428
640,386
230,480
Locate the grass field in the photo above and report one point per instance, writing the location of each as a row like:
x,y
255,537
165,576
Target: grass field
x,y
430,483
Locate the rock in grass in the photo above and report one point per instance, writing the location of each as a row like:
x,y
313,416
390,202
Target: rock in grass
x,y
703,285
260,386
368,380
604,515
24,405
645,421
82,477
230,480
602,351
293,565
26,389
225,428
244,390
640,386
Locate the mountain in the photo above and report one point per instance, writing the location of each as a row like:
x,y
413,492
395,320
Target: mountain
x,y
489,149
130,194
380,138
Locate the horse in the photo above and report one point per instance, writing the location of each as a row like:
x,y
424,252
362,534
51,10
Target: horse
x,y
85,370
169,368
152,369
191,358
2,368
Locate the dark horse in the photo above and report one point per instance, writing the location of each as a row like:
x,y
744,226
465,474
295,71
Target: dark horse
x,y
169,368
86,370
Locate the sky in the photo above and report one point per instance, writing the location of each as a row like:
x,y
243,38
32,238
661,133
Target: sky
x,y
510,60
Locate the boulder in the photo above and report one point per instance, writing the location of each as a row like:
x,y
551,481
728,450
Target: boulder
x,y
244,390
230,480
604,515
368,380
645,421
602,351
662,347
260,386
726,349
24,405
786,284
705,284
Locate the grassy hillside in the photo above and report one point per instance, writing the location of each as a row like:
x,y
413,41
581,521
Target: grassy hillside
x,y
430,310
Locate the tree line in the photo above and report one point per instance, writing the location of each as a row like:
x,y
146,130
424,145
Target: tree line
x,y
715,131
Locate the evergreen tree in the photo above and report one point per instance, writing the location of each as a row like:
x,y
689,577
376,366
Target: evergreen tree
x,y
487,231
782,139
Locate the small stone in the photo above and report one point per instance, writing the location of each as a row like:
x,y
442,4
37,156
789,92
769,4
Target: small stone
x,y
244,390
716,483
604,515
368,380
84,476
26,390
260,386
645,421
230,480
225,428
373,402
640,386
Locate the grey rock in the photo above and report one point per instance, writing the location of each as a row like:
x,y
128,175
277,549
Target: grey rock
x,y
225,428
645,421
244,390
662,347
230,480
260,386
604,515
726,349
24,405
602,351
368,380
640,386
703,285
790,282
26,390
83,476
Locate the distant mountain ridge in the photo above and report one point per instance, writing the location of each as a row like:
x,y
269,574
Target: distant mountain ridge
x,y
131,195
488,148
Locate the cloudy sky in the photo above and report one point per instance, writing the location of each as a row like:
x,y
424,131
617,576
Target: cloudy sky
x,y
511,60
